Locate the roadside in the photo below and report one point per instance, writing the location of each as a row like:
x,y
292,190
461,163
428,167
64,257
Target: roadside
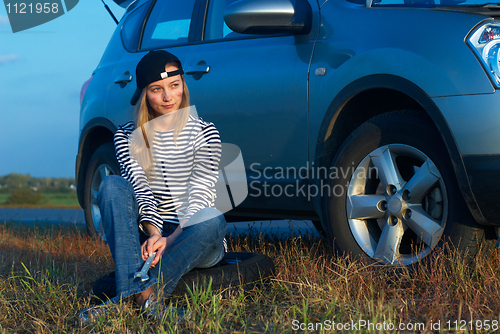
x,y
50,200
58,216
30,200
25,191
42,216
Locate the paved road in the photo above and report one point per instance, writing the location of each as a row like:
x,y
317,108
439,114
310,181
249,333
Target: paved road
x,y
283,228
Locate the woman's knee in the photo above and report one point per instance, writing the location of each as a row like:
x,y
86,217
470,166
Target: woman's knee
x,y
210,223
208,216
113,184
218,223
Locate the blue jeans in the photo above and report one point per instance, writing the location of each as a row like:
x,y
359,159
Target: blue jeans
x,y
199,245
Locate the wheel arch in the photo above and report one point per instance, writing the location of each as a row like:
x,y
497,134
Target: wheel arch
x,y
377,94
97,132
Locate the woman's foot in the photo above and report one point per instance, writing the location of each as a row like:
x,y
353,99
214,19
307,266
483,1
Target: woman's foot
x,y
141,298
157,310
93,313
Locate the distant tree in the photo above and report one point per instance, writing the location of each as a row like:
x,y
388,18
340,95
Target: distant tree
x,y
24,196
17,180
47,184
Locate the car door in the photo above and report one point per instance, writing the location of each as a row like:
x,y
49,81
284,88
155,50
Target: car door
x,y
254,89
162,30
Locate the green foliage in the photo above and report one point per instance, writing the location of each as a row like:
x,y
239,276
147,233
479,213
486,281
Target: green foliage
x,y
51,200
26,191
47,184
61,199
24,196
3,198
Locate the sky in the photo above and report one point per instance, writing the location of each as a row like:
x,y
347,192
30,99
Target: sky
x,y
42,70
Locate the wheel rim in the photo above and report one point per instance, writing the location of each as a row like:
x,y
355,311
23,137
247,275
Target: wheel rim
x,y
100,173
397,204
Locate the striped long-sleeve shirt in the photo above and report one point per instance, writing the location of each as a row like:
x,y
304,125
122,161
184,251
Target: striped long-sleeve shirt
x,y
185,171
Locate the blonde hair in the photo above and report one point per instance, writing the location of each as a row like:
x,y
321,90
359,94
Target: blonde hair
x,y
143,114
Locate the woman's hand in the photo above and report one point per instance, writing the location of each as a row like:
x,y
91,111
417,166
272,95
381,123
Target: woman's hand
x,y
155,243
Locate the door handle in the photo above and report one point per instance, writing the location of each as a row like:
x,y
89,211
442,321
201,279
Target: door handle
x,y
198,69
123,79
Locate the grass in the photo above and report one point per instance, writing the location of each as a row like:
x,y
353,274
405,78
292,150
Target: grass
x,y
48,200
3,198
46,273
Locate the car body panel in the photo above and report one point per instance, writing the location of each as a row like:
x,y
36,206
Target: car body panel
x,y
282,98
424,62
474,120
485,184
428,65
269,111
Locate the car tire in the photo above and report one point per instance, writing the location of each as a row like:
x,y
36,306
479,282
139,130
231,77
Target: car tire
x,y
236,269
395,197
102,164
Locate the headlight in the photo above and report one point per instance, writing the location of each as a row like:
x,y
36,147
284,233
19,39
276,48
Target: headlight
x,y
485,43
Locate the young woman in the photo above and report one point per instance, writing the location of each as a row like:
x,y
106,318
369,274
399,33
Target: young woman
x,y
163,202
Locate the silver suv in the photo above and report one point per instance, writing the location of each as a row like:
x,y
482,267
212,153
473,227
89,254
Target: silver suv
x,y
377,120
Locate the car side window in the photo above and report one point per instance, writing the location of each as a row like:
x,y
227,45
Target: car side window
x,y
215,27
168,24
130,34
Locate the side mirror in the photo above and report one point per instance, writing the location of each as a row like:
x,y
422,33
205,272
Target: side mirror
x,y
266,17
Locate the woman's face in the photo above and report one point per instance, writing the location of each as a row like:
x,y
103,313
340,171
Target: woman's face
x,y
165,96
